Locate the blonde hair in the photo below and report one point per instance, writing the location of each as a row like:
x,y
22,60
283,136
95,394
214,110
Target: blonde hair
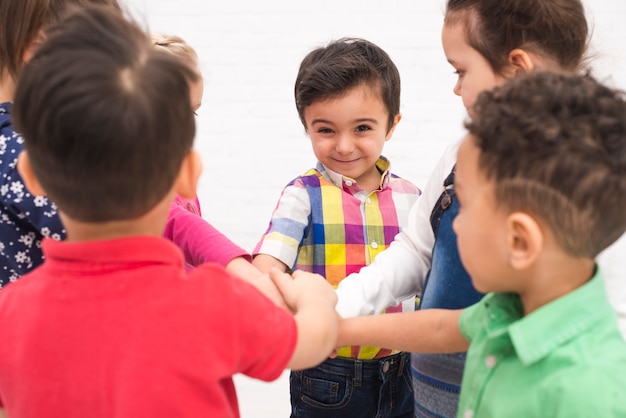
x,y
176,46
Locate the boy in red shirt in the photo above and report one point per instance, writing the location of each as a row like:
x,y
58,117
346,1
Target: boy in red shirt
x,y
111,325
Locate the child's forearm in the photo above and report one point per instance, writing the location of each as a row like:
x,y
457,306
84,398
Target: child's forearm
x,y
266,262
317,333
242,268
427,331
313,300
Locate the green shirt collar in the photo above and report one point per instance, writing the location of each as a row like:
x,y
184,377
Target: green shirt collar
x,y
538,334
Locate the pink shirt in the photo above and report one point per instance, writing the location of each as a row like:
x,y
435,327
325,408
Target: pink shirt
x,y
198,239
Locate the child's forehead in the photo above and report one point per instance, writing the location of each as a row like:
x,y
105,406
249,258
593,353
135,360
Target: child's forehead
x,y
366,89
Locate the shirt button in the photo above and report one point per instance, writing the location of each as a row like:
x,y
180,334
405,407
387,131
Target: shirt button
x,y
374,244
385,367
468,413
369,200
490,361
348,183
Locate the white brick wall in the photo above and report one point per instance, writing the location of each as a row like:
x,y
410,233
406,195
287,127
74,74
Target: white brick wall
x,y
248,129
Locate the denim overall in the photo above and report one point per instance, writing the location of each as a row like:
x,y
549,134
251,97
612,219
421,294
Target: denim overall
x,y
437,377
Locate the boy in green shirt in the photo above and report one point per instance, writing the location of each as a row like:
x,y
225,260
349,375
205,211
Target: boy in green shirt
x,y
541,177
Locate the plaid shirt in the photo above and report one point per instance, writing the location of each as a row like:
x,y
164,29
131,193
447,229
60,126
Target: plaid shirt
x,y
326,224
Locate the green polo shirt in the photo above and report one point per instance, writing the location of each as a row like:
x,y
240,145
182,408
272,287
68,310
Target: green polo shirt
x,y
566,359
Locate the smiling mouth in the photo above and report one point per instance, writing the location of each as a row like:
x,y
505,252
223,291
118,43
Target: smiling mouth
x,y
347,161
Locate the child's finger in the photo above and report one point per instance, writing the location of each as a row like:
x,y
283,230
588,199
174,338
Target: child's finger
x,y
280,279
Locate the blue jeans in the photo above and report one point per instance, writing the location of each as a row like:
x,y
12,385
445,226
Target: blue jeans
x,y
343,387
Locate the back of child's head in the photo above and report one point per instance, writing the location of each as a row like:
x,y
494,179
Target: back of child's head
x,y
555,146
176,46
21,22
105,116
331,71
556,30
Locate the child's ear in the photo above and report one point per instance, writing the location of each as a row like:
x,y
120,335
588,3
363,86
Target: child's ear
x,y
525,240
188,175
30,51
26,171
520,62
396,120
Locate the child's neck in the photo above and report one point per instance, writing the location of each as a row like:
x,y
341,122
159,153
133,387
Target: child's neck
x,y
7,88
554,277
370,180
150,224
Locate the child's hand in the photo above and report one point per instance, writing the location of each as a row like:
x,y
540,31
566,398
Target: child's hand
x,y
267,287
242,268
303,288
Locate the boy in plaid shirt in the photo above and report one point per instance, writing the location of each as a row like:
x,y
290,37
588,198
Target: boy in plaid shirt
x,y
337,217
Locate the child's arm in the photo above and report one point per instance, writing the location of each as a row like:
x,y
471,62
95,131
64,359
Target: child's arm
x,y
279,245
198,239
242,268
427,331
202,243
265,263
313,301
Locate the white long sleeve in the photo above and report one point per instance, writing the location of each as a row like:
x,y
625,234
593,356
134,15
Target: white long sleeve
x,y
398,272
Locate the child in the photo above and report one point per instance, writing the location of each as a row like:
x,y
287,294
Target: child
x,y
111,324
199,240
541,179
24,219
487,42
336,218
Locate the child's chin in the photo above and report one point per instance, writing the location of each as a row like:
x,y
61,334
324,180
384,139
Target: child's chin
x,y
481,286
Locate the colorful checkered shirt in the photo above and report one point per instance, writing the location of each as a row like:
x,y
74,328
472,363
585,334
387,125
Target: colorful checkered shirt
x,y
326,224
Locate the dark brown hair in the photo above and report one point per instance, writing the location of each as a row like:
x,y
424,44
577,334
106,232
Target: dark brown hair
x,y
333,70
21,21
556,30
105,116
555,146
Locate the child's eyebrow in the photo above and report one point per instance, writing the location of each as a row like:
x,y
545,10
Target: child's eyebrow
x,y
370,120
314,121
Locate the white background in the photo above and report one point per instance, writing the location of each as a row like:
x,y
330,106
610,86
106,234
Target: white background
x,y
249,134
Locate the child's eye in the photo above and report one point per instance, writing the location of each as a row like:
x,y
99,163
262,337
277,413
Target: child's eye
x,y
325,131
363,128
459,73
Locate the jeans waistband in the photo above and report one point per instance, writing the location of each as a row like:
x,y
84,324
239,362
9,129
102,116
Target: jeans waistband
x,y
383,368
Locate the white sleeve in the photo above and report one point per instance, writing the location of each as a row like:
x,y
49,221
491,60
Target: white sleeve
x,y
398,272
612,263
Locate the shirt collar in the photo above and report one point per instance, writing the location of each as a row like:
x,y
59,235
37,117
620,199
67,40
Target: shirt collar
x,y
538,334
111,254
342,181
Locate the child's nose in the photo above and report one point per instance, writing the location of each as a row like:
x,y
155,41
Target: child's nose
x,y
344,144
457,88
